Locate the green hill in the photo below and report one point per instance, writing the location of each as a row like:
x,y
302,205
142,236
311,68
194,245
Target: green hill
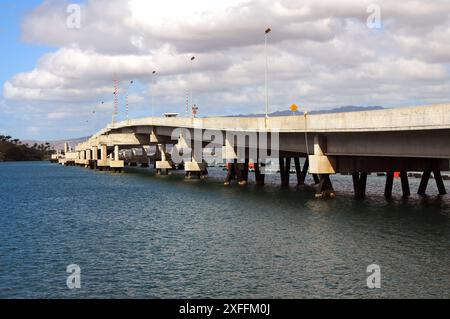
x,y
14,150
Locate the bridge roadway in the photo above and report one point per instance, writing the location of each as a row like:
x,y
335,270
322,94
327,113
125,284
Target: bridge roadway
x,y
414,139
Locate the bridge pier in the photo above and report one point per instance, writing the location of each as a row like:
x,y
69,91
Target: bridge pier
x,y
164,166
389,184
116,164
237,171
285,170
405,183
324,166
94,157
424,183
325,187
303,172
359,184
88,158
103,163
259,177
196,168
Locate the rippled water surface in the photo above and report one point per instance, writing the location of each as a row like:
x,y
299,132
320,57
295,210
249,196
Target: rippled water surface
x,y
141,236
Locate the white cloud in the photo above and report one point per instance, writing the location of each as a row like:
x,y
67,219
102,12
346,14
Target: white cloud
x,y
321,53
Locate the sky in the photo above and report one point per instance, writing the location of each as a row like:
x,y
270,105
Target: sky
x,y
59,59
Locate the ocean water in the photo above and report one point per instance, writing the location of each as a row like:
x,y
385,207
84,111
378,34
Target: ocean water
x,y
137,235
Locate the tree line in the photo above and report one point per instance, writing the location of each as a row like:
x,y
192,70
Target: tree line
x,y
14,150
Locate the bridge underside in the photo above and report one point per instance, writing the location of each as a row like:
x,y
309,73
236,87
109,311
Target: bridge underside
x,y
392,143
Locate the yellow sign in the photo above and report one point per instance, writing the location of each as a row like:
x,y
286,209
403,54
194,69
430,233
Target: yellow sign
x,y
294,108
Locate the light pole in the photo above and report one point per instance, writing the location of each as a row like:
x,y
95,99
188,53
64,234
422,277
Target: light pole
x,y
127,100
153,85
267,70
191,101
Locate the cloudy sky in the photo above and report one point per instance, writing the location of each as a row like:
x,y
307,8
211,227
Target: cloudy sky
x,y
57,75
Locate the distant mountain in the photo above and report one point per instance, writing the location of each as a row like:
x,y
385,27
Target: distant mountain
x,y
341,109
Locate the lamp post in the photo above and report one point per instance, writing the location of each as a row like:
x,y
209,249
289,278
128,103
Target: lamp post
x,y
153,85
191,101
267,70
127,100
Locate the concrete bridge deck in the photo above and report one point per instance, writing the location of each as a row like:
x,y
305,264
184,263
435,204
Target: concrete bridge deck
x,y
357,143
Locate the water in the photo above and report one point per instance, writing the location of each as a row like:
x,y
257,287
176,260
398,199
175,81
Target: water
x,y
137,235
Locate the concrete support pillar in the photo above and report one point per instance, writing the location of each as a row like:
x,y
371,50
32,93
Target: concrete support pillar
x,y
236,171
316,179
303,172
103,163
164,166
405,184
424,183
439,182
320,145
103,152
359,184
259,178
389,184
196,168
116,152
95,153
116,164
325,188
88,155
285,170
320,163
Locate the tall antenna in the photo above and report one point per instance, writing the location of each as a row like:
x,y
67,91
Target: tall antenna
x,y
127,95
116,98
127,105
187,101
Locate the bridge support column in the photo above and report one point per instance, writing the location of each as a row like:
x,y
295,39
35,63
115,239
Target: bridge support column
x,y
359,184
82,160
285,170
325,188
424,183
405,183
88,158
259,177
439,182
324,166
94,159
303,172
103,163
196,168
389,184
237,171
95,153
164,166
316,179
116,164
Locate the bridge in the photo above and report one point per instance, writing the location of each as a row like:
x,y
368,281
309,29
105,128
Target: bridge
x,y
414,139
